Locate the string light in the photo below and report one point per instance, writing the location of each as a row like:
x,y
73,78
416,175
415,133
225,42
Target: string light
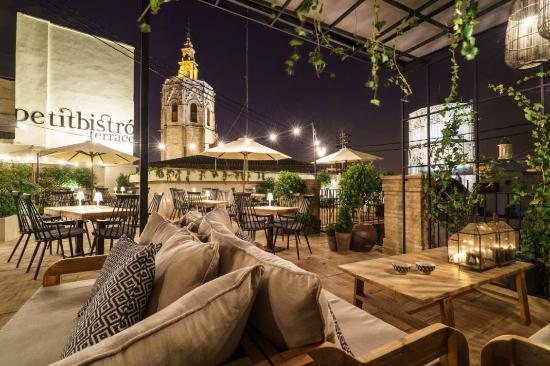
x,y
316,142
247,140
192,146
296,131
162,146
273,136
221,144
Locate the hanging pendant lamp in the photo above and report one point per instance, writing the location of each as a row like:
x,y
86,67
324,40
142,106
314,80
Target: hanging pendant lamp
x,y
525,48
544,18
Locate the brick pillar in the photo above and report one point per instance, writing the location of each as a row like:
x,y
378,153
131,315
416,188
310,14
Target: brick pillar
x,y
313,187
416,225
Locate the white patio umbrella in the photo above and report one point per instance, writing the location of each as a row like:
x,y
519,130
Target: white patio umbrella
x,y
345,155
88,152
244,149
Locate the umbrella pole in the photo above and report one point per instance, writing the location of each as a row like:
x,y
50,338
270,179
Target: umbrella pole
x,y
245,170
92,178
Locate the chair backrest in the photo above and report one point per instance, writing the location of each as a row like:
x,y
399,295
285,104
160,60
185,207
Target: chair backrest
x,y
62,198
41,231
194,200
180,201
125,216
246,215
155,202
23,219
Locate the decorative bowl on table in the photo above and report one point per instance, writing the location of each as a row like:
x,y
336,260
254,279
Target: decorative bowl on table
x,y
425,267
401,267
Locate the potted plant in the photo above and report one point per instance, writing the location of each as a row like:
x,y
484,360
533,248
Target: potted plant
x,y
331,235
344,226
288,183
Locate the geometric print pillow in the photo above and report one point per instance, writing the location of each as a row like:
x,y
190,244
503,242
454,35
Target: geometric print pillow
x,y
119,254
118,304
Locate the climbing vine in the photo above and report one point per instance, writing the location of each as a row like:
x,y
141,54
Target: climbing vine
x,y
461,34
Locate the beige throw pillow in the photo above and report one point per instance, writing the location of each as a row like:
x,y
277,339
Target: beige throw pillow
x,y
203,327
218,215
192,220
157,230
181,268
290,310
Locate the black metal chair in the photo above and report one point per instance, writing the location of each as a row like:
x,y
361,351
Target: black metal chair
x,y
176,202
296,224
247,218
194,200
46,232
155,202
24,224
123,221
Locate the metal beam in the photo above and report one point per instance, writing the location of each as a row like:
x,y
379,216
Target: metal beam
x,y
399,22
346,13
431,14
144,122
285,5
419,15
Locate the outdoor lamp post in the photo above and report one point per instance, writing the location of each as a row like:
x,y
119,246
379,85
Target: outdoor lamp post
x,y
270,198
80,197
98,197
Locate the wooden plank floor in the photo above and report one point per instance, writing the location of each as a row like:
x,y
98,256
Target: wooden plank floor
x,y
481,318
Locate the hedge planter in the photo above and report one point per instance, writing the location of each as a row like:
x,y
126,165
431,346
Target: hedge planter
x,y
332,243
343,240
9,229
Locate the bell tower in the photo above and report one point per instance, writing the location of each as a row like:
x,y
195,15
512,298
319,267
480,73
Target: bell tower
x,y
188,66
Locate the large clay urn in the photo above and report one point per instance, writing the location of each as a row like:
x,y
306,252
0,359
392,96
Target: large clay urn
x,y
363,237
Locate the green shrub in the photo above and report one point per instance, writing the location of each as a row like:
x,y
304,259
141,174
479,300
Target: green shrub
x,y
357,185
123,180
324,178
14,177
330,229
67,176
288,183
265,186
344,222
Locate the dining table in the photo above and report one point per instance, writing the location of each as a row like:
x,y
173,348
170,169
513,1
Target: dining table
x,y
214,203
271,212
81,214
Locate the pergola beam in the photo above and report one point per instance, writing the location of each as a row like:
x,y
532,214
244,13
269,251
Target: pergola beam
x,y
400,21
417,14
283,8
346,13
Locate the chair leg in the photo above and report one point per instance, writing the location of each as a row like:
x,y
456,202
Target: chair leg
x,y
15,247
71,247
23,250
307,241
40,261
297,244
88,236
111,244
51,248
34,254
287,240
94,243
276,234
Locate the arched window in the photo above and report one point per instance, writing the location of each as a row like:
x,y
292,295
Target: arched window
x,y
193,115
208,117
174,112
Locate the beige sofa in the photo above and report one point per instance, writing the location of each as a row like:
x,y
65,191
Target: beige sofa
x,y
36,334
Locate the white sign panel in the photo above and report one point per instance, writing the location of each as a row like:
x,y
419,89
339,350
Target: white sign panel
x,y
71,87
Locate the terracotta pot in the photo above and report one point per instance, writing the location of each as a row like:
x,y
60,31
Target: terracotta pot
x,y
343,240
363,237
332,243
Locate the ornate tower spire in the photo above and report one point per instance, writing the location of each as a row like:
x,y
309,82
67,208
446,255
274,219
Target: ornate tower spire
x,y
188,66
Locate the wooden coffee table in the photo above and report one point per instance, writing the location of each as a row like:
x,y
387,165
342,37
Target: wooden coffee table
x,y
437,288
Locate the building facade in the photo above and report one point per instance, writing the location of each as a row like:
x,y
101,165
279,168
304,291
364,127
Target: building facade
x,y
188,119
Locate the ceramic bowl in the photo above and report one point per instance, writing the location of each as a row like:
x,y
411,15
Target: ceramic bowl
x,y
401,267
425,267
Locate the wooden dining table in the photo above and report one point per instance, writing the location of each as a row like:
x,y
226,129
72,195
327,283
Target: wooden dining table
x,y
273,211
81,214
214,203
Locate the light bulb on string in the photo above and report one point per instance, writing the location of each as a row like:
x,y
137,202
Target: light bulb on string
x,y
296,131
273,136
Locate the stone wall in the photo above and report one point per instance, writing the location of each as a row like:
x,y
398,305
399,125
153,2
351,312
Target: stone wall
x,y
416,225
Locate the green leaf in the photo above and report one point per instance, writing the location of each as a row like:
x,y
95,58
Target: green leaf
x,y
144,28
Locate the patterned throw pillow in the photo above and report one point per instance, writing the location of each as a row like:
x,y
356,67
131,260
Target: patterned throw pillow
x,y
118,304
119,254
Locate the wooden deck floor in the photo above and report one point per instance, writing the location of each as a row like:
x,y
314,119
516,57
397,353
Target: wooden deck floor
x,y
481,318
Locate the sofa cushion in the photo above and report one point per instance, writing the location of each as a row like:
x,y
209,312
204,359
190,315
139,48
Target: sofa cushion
x,y
203,327
542,336
218,215
124,249
192,220
180,269
36,334
358,332
118,304
290,310
157,230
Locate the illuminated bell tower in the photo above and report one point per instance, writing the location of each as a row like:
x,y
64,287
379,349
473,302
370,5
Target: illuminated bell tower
x,y
187,116
188,66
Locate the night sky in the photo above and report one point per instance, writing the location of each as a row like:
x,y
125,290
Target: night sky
x,y
278,101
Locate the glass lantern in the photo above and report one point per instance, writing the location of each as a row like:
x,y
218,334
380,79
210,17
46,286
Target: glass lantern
x,y
506,245
474,247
